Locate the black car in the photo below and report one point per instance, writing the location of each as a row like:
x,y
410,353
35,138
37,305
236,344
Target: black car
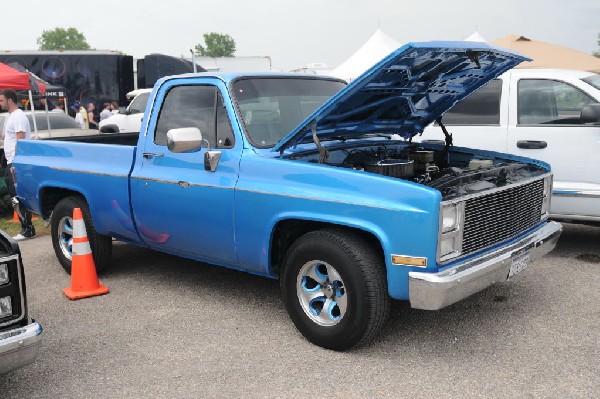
x,y
20,336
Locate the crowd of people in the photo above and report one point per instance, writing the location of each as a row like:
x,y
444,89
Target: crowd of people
x,y
86,116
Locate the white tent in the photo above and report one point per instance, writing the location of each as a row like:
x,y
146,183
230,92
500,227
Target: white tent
x,y
476,37
377,47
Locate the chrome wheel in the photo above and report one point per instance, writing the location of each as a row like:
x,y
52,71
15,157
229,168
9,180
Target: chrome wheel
x,y
65,236
321,293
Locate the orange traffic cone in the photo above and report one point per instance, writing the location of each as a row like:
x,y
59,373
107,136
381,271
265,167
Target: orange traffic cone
x,y
15,218
84,280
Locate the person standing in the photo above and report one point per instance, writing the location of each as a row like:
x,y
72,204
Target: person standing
x,y
80,115
16,128
105,112
91,117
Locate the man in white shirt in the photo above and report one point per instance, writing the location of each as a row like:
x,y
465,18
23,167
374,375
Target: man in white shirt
x,y
16,128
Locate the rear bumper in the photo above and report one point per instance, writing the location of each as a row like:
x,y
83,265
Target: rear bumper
x,y
432,291
19,346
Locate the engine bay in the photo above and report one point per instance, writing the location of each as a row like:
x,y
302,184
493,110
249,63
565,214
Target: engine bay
x,y
454,173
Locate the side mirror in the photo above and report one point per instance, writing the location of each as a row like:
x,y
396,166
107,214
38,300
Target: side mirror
x,y
123,110
185,139
590,114
189,139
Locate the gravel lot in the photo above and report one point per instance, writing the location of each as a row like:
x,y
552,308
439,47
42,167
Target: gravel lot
x,y
173,328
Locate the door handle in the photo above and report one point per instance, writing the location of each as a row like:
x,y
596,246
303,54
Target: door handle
x,y
149,155
532,144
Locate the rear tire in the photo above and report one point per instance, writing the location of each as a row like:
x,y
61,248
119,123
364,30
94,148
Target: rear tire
x,y
334,288
61,229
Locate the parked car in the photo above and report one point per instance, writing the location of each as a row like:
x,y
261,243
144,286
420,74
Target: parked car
x,y
20,336
548,114
61,125
129,119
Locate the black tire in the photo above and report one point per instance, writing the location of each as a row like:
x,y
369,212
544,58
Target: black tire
x,y
62,216
361,278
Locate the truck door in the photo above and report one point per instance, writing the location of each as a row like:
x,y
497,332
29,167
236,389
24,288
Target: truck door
x,y
180,207
544,124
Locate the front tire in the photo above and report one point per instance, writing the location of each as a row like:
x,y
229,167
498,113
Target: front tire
x,y
335,289
61,229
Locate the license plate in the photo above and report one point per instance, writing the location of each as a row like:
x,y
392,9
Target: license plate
x,y
519,263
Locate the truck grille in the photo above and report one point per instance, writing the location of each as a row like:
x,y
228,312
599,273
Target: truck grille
x,y
495,217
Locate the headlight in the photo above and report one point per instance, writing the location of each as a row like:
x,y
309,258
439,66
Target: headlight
x,y
547,196
5,307
449,245
3,274
451,230
451,216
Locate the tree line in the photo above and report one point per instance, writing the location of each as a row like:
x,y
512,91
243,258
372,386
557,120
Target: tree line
x,y
215,44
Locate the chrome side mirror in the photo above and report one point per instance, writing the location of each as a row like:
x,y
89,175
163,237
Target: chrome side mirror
x,y
211,160
185,139
189,139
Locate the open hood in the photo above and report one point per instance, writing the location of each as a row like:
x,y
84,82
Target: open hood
x,y
405,91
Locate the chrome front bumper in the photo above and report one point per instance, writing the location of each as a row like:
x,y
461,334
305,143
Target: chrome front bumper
x,y
19,346
433,291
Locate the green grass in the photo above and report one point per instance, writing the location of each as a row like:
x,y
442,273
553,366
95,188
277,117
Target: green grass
x,y
13,228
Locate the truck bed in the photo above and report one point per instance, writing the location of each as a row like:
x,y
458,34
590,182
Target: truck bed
x,y
102,178
129,139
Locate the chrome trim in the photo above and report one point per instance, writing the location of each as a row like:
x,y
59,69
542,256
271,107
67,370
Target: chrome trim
x,y
87,172
578,194
19,347
21,290
433,291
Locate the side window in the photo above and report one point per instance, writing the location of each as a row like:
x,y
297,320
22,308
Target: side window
x,y
224,132
482,107
195,106
549,102
138,105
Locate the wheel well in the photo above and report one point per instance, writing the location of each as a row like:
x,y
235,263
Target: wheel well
x,y
288,231
109,129
51,196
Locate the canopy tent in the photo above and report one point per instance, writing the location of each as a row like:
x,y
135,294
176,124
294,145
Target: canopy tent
x,y
548,55
377,47
12,79
49,89
476,37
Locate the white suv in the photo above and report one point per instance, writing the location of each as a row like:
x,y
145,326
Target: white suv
x,y
128,119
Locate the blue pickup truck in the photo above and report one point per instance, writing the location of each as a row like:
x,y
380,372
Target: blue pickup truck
x,y
313,182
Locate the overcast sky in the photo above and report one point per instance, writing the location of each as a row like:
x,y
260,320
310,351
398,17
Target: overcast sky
x,y
295,33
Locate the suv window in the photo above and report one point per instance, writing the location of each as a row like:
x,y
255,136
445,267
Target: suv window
x,y
138,105
195,106
550,102
482,107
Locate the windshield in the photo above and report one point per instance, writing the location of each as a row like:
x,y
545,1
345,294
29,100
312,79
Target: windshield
x,y
272,107
594,80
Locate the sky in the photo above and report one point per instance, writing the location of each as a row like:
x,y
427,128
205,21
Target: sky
x,y
296,33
